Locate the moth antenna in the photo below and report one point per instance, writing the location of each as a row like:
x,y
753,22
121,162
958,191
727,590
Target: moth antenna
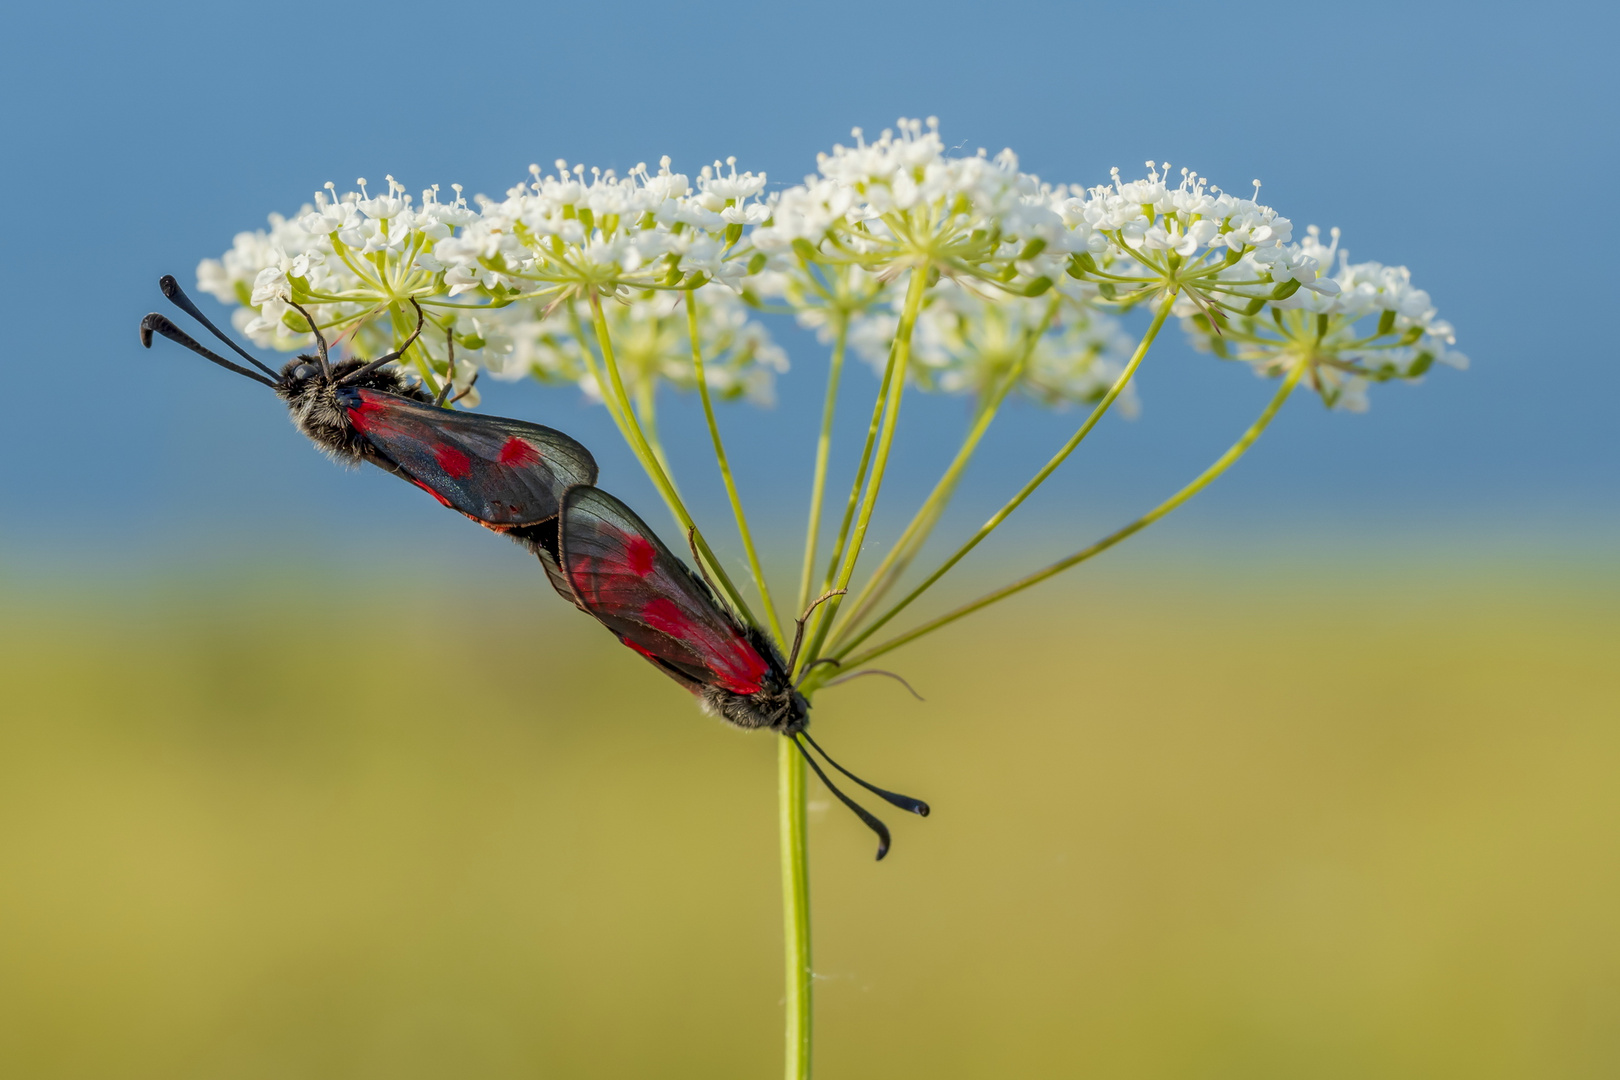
x,y
155,323
904,802
472,382
798,634
878,671
811,666
691,542
450,367
177,296
320,341
861,812
390,357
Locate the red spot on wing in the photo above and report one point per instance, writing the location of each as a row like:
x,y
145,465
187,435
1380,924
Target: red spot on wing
x,y
363,417
733,664
518,453
665,616
442,500
736,665
451,460
641,555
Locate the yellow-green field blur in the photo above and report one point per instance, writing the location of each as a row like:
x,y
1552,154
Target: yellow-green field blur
x,y
1271,828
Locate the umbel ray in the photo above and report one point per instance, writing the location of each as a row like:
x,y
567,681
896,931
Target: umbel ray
x,y
536,485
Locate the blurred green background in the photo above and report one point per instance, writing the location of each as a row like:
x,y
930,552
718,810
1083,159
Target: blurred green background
x,y
1256,824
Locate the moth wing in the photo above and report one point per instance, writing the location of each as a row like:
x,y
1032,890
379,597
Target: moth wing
x,y
497,471
622,574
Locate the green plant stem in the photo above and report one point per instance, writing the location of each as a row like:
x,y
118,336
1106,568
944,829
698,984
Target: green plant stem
x,y
879,404
905,549
1028,489
794,838
649,461
818,484
916,533
1204,479
874,483
725,471
608,400
646,402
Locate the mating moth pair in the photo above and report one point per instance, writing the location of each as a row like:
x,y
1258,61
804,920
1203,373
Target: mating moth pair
x,y
536,485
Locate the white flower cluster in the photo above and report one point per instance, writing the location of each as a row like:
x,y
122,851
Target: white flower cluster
x,y
651,342
560,237
503,277
1056,350
1368,324
901,202
1149,216
513,280
349,258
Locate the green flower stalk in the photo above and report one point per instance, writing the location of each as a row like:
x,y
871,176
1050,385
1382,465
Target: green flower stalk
x,y
948,274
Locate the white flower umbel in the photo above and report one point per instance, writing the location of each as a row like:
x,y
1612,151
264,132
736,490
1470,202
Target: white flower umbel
x,y
561,237
355,261
1372,326
903,208
1212,251
902,202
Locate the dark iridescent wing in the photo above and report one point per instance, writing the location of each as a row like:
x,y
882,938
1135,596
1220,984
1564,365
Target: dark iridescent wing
x,y
497,471
622,574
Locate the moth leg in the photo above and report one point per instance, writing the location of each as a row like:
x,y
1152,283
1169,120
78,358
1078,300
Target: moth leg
x,y
691,542
877,671
450,367
472,382
320,342
388,358
811,666
798,634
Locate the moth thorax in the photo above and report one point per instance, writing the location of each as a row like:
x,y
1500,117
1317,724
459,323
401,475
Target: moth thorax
x,y
317,413
781,710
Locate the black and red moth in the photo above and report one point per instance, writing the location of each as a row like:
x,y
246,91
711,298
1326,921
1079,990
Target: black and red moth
x,y
507,475
612,566
534,485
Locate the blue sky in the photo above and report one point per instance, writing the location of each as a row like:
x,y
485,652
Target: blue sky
x,y
1457,139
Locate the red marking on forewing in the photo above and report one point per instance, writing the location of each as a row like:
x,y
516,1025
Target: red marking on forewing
x,y
738,668
451,460
664,615
733,663
518,454
737,665
364,417
644,652
442,500
641,555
